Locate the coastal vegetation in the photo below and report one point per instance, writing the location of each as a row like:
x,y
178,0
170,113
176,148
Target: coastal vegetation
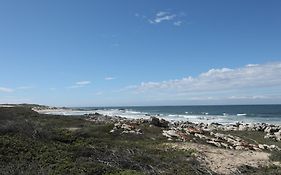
x,y
33,143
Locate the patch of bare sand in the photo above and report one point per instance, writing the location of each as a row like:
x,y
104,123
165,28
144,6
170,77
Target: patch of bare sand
x,y
224,161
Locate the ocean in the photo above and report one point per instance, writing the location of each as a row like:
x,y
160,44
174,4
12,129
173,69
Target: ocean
x,y
224,114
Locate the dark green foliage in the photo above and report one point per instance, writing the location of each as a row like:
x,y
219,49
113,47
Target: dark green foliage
x,y
275,156
248,170
31,143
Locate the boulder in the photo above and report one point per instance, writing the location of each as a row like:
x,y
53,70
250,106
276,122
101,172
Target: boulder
x,y
217,144
201,136
262,146
170,133
242,127
159,122
272,147
127,127
224,145
239,147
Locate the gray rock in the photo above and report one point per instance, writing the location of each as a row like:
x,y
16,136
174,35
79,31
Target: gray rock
x,y
159,122
217,144
170,133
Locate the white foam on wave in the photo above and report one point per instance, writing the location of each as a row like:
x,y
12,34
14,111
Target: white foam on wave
x,y
188,116
203,118
123,113
65,112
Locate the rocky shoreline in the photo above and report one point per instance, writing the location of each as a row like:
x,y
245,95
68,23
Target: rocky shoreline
x,y
193,132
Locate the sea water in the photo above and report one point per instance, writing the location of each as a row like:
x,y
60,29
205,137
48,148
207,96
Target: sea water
x,y
223,114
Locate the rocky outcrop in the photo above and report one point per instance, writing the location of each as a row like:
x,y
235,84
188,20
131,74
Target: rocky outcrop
x,y
217,139
159,122
272,131
203,133
125,128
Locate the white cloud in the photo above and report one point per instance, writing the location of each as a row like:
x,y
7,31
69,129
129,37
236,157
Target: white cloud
x,y
166,16
162,16
178,23
4,89
170,17
162,13
109,78
257,79
80,84
83,82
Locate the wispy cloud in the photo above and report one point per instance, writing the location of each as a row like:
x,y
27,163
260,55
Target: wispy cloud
x,y
162,13
258,79
80,84
5,89
159,19
177,23
25,87
109,78
83,82
140,16
167,16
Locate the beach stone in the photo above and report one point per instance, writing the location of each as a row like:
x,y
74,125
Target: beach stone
x,y
269,136
261,146
201,136
220,136
118,125
127,127
229,128
251,127
242,127
224,145
170,133
159,123
217,144
272,147
239,147
271,129
256,149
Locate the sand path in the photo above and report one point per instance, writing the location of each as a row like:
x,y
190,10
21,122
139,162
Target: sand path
x,y
225,161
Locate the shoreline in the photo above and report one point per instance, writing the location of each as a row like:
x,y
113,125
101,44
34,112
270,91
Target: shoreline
x,y
181,129
108,112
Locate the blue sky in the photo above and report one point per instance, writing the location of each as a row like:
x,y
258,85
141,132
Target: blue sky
x,y
140,52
